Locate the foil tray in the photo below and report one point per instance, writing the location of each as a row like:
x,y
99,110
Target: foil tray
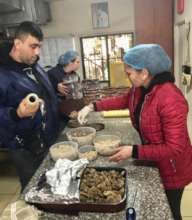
x,y
73,208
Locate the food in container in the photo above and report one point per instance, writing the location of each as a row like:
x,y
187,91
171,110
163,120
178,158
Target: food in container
x,y
102,186
88,152
82,135
106,144
65,149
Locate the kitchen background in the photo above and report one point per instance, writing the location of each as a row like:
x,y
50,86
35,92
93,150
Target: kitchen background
x,y
71,24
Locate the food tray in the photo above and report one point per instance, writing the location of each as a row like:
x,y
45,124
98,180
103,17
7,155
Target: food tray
x,y
78,206
76,124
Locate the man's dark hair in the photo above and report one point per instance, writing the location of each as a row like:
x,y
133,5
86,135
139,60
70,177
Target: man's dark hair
x,y
29,28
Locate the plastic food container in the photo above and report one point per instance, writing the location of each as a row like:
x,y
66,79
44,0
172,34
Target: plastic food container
x,y
82,135
64,149
106,144
88,152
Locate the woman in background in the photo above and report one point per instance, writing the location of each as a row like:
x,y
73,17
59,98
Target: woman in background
x,y
64,71
158,111
66,81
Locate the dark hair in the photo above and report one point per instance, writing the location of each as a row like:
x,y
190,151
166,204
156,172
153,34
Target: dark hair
x,y
29,28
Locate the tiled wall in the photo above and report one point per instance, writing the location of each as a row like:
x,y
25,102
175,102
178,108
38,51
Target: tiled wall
x,y
183,51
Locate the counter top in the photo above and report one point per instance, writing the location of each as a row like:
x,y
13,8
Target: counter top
x,y
145,190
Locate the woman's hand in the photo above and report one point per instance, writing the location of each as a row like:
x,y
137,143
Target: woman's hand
x,y
123,153
63,89
73,115
84,112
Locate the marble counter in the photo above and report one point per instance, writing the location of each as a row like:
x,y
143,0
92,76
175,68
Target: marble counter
x,y
145,190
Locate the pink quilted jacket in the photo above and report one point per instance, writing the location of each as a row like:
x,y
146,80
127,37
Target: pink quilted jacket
x,y
163,126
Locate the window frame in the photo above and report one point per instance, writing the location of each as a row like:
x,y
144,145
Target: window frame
x,y
106,36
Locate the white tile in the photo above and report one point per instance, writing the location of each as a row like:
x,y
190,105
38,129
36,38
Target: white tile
x,y
9,185
5,200
186,204
188,187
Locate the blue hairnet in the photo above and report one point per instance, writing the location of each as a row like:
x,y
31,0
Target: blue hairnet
x,y
67,57
149,56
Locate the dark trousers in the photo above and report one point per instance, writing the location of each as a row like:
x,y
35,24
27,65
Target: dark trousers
x,y
174,197
26,163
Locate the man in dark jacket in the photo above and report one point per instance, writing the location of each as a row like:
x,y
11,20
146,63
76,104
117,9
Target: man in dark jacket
x,y
26,133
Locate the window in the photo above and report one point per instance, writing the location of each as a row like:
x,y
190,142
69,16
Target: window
x,y
99,52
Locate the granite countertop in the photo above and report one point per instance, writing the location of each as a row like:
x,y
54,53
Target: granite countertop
x,y
145,190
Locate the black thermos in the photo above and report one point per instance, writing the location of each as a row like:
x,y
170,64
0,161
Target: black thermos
x,y
130,214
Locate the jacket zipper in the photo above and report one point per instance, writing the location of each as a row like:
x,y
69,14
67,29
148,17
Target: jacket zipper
x,y
142,137
140,130
133,95
173,165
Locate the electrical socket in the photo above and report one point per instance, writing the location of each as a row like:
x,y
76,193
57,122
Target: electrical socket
x,y
186,79
186,69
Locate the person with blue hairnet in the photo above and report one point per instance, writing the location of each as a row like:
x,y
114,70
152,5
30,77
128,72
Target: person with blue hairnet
x,y
64,78
158,111
64,71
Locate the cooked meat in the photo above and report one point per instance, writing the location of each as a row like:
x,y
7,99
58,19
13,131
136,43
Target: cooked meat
x,y
102,186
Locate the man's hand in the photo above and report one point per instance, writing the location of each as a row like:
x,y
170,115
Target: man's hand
x,y
83,113
25,109
123,153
